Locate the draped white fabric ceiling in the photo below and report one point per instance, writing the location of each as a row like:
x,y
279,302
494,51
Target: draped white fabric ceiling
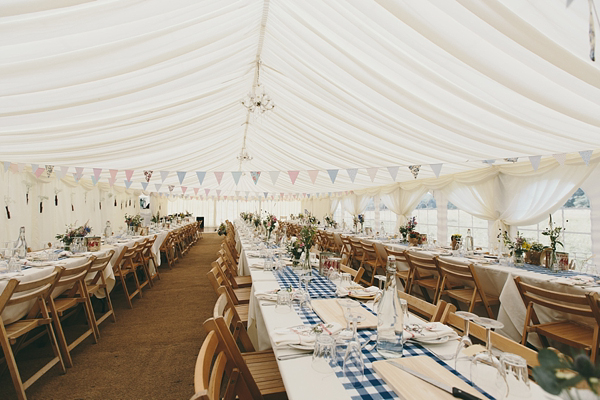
x,y
156,85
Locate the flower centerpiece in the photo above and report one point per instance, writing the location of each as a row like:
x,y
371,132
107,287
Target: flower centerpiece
x,y
71,233
455,240
329,221
295,248
517,248
256,221
270,224
156,218
359,219
308,235
534,251
222,229
133,221
553,232
408,228
572,378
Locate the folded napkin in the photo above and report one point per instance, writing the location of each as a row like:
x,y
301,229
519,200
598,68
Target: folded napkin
x,y
30,263
269,295
303,334
257,266
576,280
429,331
356,291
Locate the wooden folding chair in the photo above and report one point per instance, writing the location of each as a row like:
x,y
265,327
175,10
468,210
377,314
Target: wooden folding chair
x,y
147,257
346,250
372,259
434,313
98,285
122,272
168,250
568,332
229,271
426,265
16,332
217,278
356,274
471,295
241,310
65,305
405,273
356,254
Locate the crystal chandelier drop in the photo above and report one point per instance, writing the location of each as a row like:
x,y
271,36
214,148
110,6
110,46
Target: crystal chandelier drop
x,y
258,101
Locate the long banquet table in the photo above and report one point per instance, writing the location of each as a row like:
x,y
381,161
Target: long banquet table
x,y
297,374
31,273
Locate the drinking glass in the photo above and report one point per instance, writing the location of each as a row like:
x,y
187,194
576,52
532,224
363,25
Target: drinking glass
x,y
513,377
486,358
354,366
322,358
284,302
268,265
465,340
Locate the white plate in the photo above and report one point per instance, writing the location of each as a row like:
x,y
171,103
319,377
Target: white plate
x,y
302,346
441,340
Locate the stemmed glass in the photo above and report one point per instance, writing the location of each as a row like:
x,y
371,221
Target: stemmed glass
x,y
353,364
487,357
465,340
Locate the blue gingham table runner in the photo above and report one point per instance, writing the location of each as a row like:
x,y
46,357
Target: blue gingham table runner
x,y
372,386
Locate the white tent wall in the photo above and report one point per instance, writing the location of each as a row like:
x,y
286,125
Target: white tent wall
x,y
318,207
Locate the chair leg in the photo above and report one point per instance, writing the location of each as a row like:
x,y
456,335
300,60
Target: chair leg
x,y
127,296
12,365
60,336
109,304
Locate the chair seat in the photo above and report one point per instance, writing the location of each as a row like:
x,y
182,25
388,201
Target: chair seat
x,y
243,281
428,283
94,288
264,370
569,332
242,294
242,310
123,271
66,303
465,295
19,328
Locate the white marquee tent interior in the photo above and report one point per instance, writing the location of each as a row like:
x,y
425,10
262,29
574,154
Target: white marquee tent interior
x,y
496,102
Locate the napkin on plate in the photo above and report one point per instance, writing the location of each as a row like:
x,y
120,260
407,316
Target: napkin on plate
x,y
269,295
576,280
302,334
430,331
356,291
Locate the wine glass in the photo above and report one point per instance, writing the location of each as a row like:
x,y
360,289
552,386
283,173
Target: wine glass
x,y
465,340
354,366
486,358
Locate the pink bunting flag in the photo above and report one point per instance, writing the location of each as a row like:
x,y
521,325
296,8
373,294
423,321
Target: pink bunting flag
x,y
312,174
196,191
207,191
14,168
293,175
218,192
128,174
113,174
219,176
38,172
79,172
97,172
111,181
183,189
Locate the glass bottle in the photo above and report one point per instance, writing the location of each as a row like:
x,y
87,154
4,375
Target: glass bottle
x,y
468,243
21,244
390,320
107,230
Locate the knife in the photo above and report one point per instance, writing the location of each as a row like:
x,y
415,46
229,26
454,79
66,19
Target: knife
x,y
454,391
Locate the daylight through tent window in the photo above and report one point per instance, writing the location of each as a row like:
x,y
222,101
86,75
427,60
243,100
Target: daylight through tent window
x,y
426,213
575,218
459,221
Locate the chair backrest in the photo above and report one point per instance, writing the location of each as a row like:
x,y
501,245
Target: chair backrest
x,y
562,302
418,261
369,248
100,263
356,274
500,342
69,276
338,240
16,292
225,308
434,312
355,246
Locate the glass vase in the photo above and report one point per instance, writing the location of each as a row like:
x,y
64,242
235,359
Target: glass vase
x,y
519,260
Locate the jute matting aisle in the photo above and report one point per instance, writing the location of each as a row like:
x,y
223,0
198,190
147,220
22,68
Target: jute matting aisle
x,y
149,353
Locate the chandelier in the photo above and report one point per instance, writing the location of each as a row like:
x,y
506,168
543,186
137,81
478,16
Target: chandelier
x,y
244,156
258,101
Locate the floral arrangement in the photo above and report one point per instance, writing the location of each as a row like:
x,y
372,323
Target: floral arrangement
x,y
270,223
222,229
358,219
256,221
308,235
456,237
518,247
558,372
330,221
536,246
132,220
553,232
295,248
247,216
156,218
409,227
72,233
311,219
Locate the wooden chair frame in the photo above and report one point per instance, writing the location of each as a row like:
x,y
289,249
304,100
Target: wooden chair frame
x,y
98,283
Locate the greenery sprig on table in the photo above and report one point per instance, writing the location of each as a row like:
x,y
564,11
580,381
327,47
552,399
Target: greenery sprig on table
x,y
553,232
409,227
156,218
518,246
558,372
72,233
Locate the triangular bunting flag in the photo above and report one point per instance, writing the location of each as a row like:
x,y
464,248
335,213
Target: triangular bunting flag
x,y
207,191
393,172
20,167
128,184
196,191
34,168
164,175
218,192
181,176
183,189
436,168
293,175
352,173
171,187
274,176
535,161
489,162
266,194
312,174
6,166
76,177
236,176
372,172
79,172
63,172
332,174
219,176
281,195
97,172
561,158
158,186
255,176
111,181
94,179
148,175
144,185
237,193
128,174
586,155
14,168
38,172
201,176
414,169
113,174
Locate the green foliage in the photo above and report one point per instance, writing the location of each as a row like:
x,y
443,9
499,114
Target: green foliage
x,y
557,372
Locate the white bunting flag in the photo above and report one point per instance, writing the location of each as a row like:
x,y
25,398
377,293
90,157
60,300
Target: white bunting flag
x,y
372,173
561,158
332,174
352,174
62,173
163,176
535,161
436,168
393,172
313,175
586,155
274,176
